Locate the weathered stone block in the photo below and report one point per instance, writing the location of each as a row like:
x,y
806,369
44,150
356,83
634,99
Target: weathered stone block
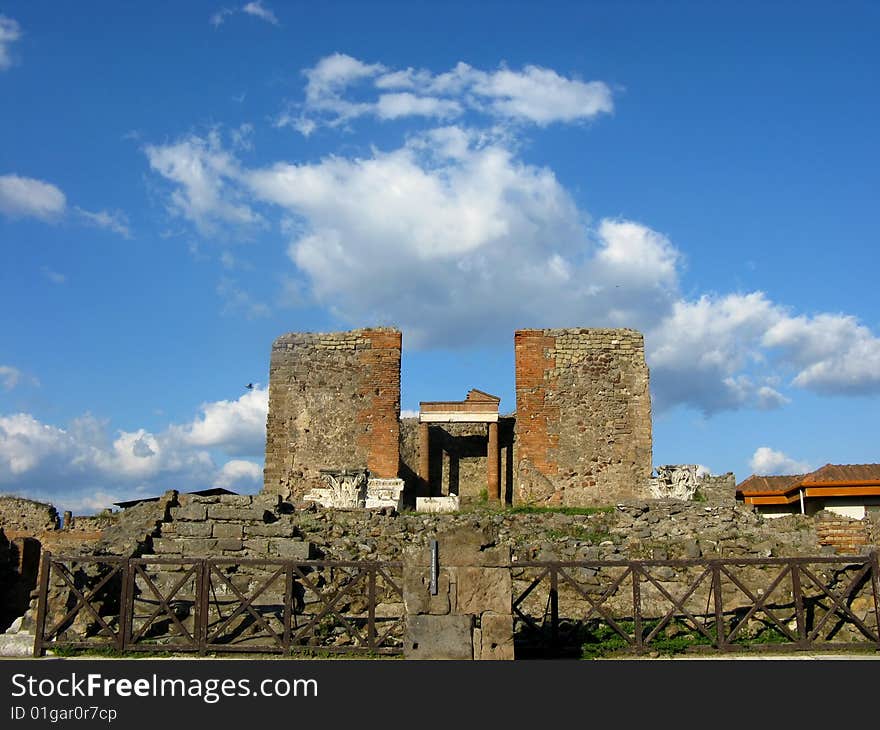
x,y
417,594
272,529
291,549
197,546
230,544
439,637
482,589
166,545
227,530
496,637
226,512
190,511
192,529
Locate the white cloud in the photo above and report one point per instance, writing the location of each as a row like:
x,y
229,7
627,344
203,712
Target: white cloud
x,y
217,19
25,197
115,221
834,352
542,96
10,32
454,238
407,413
73,465
239,475
201,169
237,427
258,10
392,106
535,95
766,461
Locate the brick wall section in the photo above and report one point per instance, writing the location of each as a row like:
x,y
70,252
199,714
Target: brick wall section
x,y
334,403
847,536
583,428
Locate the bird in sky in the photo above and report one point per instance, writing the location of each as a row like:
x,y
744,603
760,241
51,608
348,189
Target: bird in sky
x,y
249,386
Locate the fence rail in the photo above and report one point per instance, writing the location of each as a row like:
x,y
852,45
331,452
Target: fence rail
x,y
732,604
219,605
203,605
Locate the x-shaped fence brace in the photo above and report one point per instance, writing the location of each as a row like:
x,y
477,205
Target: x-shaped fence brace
x,y
718,569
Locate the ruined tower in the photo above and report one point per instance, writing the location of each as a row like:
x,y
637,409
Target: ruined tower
x,y
583,416
334,403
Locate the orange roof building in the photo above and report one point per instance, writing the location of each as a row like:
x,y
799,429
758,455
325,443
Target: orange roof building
x,y
847,489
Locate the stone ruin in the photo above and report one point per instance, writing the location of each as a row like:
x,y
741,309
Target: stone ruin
x,y
580,436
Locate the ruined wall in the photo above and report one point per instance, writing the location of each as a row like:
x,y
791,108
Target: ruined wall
x,y
26,516
718,488
458,458
583,416
334,403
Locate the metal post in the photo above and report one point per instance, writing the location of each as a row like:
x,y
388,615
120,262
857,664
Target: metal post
x,y
435,568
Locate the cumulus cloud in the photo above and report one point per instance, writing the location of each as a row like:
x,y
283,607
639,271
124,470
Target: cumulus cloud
x,y
82,459
533,95
237,427
767,461
25,197
453,237
10,32
239,475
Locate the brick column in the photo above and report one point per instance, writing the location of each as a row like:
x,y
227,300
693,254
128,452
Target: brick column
x,y
492,464
424,462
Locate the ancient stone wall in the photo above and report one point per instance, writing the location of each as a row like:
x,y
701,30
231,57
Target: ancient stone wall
x,y
334,403
25,516
718,488
458,458
583,416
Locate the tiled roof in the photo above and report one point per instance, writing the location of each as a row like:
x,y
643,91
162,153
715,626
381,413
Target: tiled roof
x,y
756,484
844,473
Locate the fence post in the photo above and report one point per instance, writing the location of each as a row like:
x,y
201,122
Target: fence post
x,y
288,603
202,598
637,607
875,580
554,606
126,593
371,607
721,640
42,603
798,595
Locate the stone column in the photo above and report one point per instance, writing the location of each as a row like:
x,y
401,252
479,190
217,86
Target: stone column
x,y
492,464
424,462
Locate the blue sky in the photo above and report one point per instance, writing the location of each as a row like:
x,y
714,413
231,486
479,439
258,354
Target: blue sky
x,y
180,183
